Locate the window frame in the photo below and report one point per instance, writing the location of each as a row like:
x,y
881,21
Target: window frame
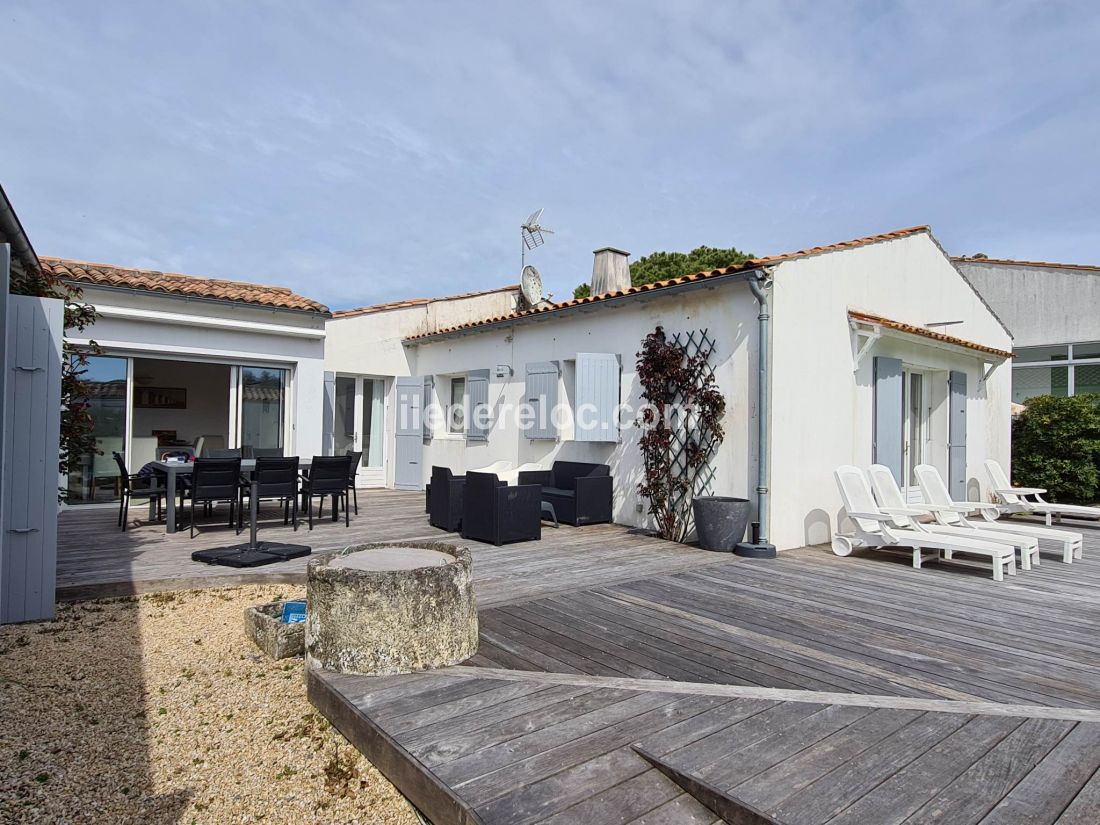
x,y
1070,362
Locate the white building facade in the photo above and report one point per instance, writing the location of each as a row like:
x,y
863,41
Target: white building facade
x,y
880,350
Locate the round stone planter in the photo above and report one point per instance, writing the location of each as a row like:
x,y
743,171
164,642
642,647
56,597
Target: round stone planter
x,y
379,609
720,521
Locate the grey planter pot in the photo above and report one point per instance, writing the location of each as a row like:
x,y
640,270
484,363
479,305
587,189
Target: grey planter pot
x,y
720,521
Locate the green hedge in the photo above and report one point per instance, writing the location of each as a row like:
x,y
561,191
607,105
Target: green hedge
x,y
1056,446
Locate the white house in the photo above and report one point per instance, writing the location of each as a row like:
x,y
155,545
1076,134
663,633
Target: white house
x,y
878,349
365,354
185,358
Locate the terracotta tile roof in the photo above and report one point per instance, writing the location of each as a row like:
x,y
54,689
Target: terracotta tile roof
x,y
173,283
415,302
754,263
925,332
1046,264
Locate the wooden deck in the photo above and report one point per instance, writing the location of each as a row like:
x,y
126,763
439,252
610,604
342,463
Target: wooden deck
x,y
621,679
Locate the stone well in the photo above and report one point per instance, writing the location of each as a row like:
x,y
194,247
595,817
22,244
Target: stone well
x,y
379,609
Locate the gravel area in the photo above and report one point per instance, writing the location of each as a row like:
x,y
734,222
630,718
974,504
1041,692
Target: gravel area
x,y
158,709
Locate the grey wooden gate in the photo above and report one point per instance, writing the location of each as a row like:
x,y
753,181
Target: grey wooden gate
x,y
408,471
31,431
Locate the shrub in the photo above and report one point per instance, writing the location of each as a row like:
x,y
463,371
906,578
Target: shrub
x,y
1056,446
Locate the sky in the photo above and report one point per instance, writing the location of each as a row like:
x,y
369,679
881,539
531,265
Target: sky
x,y
360,152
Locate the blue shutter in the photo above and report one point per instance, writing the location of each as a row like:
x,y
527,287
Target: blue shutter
x,y
425,408
542,395
328,422
596,397
889,423
956,436
477,405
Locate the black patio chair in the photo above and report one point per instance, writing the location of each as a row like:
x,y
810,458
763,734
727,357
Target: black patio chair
x,y
445,506
353,468
265,452
328,476
276,479
149,491
214,480
496,513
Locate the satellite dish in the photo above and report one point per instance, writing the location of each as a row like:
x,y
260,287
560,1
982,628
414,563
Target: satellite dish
x,y
530,285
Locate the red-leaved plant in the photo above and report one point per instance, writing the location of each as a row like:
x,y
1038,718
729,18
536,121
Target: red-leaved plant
x,y
681,429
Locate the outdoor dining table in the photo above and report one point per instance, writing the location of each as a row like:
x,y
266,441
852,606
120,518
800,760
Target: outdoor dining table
x,y
175,469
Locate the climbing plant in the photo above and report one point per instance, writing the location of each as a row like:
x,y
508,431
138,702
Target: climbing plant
x,y
681,424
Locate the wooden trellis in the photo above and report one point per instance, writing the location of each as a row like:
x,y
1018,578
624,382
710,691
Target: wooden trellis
x,y
694,343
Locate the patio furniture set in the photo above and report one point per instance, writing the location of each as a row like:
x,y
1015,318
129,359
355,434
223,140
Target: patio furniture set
x,y
484,506
938,527
225,477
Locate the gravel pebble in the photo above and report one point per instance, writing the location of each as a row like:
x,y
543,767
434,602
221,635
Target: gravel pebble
x,y
159,709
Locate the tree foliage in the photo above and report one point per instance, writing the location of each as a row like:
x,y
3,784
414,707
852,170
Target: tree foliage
x,y
77,434
682,429
1056,446
659,266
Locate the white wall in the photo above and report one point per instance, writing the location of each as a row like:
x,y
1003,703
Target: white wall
x,y
136,324
727,310
822,409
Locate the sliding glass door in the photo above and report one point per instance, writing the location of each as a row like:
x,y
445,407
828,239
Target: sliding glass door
x,y
261,406
95,476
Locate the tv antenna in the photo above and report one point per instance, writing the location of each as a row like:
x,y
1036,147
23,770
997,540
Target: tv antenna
x,y
531,233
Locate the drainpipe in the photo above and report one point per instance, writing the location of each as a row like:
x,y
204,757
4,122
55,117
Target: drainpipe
x,y
758,547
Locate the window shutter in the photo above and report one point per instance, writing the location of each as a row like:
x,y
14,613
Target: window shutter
x,y
477,403
956,436
542,395
328,423
596,397
889,415
425,408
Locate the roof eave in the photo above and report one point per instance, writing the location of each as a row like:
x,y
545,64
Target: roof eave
x,y
588,306
12,232
86,285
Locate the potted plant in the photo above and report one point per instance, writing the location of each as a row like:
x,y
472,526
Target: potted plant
x,y
682,429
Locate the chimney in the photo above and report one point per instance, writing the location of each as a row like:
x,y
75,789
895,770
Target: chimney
x,y
610,271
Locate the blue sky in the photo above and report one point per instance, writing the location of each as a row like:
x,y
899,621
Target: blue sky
x,y
359,152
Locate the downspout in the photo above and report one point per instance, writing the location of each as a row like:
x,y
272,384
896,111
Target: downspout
x,y
758,547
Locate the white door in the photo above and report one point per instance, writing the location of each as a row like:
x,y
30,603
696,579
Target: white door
x,y
358,425
915,434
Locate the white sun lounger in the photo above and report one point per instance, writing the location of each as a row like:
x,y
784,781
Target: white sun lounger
x,y
889,495
935,492
875,527
1029,499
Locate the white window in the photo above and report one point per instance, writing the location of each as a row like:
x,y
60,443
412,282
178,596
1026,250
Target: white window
x,y
456,406
1064,369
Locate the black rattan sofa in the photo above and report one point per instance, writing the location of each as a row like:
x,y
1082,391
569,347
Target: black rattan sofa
x,y
496,513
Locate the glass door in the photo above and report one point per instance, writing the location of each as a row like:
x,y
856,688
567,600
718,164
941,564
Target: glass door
x,y
359,422
96,476
261,406
344,434
916,431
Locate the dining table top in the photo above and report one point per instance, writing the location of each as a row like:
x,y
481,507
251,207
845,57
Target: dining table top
x,y
247,465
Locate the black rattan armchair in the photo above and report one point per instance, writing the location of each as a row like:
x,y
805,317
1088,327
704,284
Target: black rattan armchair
x,y
353,468
498,514
581,493
445,506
